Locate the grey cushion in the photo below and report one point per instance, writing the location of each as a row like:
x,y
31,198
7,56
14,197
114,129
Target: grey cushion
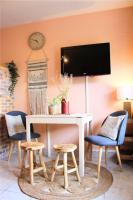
x,y
22,135
14,124
111,126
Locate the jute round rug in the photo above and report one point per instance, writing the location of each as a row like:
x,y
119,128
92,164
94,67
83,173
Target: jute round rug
x,y
89,188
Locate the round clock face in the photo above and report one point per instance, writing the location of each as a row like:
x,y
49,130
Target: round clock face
x,y
36,40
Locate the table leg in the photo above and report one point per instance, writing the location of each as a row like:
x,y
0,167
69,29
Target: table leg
x,y
48,140
81,149
28,131
87,156
90,145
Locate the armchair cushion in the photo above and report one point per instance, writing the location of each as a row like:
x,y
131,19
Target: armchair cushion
x,y
100,140
111,126
14,124
22,136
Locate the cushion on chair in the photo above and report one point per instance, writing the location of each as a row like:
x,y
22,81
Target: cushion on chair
x,y
22,136
100,140
111,126
14,124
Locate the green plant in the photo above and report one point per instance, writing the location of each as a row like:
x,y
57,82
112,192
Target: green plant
x,y
55,101
13,71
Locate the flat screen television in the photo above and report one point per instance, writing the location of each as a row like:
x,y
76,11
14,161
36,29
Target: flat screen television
x,y
86,60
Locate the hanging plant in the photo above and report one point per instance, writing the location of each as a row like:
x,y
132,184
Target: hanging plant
x,y
13,71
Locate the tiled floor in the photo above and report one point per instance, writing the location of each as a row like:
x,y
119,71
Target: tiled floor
x,y
122,188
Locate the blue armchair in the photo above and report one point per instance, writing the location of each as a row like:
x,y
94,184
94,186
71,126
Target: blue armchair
x,y
19,137
103,141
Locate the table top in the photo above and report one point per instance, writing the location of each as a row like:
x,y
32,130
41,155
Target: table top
x,y
72,115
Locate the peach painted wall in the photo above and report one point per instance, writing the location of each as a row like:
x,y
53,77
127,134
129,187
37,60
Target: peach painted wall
x,y
114,26
0,36
0,46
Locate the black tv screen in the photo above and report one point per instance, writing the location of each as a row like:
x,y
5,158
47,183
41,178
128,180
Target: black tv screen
x,y
86,60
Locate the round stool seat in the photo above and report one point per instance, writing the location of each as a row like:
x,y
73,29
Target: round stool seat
x,y
65,147
32,145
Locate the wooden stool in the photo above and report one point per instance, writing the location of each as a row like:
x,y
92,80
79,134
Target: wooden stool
x,y
32,147
65,148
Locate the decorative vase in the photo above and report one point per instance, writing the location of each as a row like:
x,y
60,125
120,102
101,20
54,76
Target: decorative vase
x,y
52,109
64,106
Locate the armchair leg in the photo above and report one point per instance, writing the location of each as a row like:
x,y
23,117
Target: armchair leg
x,y
99,161
106,148
118,156
88,149
10,150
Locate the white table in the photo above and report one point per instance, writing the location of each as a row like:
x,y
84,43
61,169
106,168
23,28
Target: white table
x,y
78,119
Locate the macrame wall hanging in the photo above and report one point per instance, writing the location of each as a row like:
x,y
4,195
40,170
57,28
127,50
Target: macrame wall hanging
x,y
37,74
37,86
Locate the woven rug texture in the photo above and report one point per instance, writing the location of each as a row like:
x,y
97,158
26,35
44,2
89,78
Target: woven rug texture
x,y
89,188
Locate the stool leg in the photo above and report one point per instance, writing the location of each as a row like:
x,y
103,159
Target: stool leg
x,y
75,165
23,161
34,154
43,163
31,166
19,153
55,165
34,159
65,171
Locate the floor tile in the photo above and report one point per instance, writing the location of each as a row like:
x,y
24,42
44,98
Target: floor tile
x,y
121,189
7,195
100,198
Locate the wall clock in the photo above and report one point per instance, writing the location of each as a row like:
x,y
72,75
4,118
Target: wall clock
x,y
36,41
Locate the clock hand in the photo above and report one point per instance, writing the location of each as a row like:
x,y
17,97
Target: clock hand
x,y
35,40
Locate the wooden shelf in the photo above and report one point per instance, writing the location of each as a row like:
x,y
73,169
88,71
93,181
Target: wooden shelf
x,y
126,157
126,150
128,139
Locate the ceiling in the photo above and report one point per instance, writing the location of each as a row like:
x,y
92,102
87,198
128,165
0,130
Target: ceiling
x,y
15,12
